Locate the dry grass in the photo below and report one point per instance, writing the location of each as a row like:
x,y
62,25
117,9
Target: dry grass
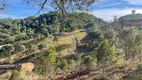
x,y
49,42
6,76
24,76
27,67
65,40
32,76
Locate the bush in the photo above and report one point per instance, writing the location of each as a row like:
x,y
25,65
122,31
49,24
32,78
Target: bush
x,y
5,51
19,47
15,75
11,39
72,64
41,46
21,37
96,34
33,48
88,60
64,65
106,55
48,62
2,41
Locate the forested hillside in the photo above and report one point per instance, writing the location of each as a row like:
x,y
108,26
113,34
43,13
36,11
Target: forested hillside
x,y
131,16
69,43
89,48
13,30
131,20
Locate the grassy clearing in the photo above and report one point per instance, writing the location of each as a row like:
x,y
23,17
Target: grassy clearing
x,y
62,41
65,42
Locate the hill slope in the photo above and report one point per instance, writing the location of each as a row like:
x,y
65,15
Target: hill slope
x,y
131,17
44,25
131,20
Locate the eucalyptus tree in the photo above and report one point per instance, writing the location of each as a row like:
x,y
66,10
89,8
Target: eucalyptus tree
x,y
106,54
128,41
133,14
138,45
133,11
124,38
110,35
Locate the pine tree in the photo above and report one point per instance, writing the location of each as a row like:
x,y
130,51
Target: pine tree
x,y
106,55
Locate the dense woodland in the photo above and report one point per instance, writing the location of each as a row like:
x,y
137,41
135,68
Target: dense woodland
x,y
110,45
44,25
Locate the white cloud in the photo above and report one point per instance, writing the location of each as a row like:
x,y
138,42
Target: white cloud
x,y
109,5
107,14
135,2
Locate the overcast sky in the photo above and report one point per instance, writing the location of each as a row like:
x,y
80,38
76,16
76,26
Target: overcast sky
x,y
104,9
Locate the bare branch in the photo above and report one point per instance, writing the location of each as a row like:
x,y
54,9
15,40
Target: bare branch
x,y
42,6
3,5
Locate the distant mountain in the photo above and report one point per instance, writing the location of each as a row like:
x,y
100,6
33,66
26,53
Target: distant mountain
x,y
131,17
131,20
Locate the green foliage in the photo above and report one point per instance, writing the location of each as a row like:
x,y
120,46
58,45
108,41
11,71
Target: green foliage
x,y
21,37
136,48
105,53
125,41
96,34
15,75
64,63
93,25
72,64
128,41
88,60
19,47
131,16
41,46
48,62
32,48
44,25
5,51
138,38
11,39
110,34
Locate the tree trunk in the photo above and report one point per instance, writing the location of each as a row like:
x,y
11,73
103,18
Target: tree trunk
x,y
62,21
140,55
133,55
125,49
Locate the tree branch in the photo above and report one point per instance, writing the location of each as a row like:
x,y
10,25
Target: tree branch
x,y
42,6
3,5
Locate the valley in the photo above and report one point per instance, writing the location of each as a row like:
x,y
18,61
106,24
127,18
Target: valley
x,y
70,40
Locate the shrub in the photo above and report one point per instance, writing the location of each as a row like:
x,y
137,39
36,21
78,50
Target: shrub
x,y
33,48
48,62
21,37
5,51
19,47
15,75
88,60
97,34
64,64
72,64
11,39
106,55
41,46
